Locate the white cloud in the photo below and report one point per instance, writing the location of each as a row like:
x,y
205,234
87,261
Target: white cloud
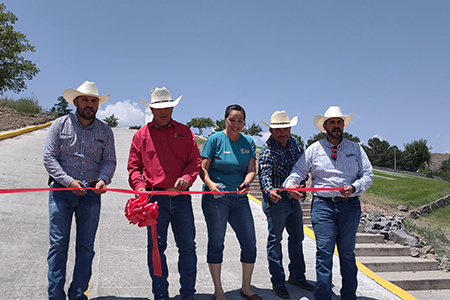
x,y
128,113
259,141
378,136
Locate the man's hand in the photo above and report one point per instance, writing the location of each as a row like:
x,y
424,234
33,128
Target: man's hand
x,y
139,190
274,197
100,185
181,184
347,191
295,194
76,184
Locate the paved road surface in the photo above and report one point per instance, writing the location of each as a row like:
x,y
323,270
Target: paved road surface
x,y
120,270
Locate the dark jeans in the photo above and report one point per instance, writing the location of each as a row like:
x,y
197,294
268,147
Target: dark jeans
x,y
62,206
286,213
236,211
335,223
178,212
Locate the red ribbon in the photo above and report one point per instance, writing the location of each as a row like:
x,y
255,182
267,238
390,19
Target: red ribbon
x,y
139,211
125,191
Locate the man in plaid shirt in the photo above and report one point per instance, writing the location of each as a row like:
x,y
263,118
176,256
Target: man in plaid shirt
x,y
276,159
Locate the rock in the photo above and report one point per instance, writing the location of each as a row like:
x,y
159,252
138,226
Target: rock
x,y
425,250
415,254
402,208
401,237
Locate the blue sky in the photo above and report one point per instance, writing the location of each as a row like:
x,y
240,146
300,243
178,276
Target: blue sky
x,y
387,62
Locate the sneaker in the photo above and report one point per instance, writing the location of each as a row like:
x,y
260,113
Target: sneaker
x,y
281,292
303,284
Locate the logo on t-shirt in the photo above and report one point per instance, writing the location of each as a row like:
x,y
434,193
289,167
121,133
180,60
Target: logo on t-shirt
x,y
227,152
178,135
245,151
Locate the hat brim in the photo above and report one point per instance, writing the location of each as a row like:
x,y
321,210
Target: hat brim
x,y
71,94
292,123
165,104
319,120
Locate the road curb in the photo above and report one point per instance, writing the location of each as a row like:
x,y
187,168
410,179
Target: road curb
x,y
23,130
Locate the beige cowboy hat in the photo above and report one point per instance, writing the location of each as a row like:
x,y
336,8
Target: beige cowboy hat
x,y
88,88
280,119
332,112
161,99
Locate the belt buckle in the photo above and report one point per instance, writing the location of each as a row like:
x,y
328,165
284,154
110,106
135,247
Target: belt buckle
x,y
332,199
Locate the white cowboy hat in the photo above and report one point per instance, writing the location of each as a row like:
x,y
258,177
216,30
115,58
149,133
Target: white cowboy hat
x,y
87,89
161,99
332,112
280,119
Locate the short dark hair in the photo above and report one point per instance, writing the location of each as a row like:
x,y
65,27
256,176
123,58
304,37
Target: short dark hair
x,y
233,107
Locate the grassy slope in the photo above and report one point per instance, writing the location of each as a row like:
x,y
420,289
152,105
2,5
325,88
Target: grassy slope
x,y
401,189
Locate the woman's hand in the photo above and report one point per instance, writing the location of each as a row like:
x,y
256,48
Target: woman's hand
x,y
243,188
215,187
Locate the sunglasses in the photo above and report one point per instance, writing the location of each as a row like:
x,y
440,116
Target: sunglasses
x,y
333,153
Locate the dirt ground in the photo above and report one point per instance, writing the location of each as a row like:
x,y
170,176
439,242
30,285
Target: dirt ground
x,y
12,120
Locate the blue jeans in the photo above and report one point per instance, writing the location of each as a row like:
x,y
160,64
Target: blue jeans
x,y
236,211
286,213
178,212
335,223
62,206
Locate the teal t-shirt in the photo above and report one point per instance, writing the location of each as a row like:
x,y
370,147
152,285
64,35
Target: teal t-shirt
x,y
229,160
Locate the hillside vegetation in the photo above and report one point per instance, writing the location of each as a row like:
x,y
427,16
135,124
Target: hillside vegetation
x,y
402,189
390,189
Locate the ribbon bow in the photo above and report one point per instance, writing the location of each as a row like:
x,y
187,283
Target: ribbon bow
x,y
139,211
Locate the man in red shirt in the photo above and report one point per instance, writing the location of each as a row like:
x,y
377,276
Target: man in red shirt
x,y
164,156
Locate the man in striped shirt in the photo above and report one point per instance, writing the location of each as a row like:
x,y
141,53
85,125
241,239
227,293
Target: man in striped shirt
x,y
79,152
334,162
276,159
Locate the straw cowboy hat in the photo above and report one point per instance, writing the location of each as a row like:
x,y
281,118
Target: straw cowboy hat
x,y
161,99
86,89
332,112
280,119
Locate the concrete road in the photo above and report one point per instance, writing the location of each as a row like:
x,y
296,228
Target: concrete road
x,y
120,269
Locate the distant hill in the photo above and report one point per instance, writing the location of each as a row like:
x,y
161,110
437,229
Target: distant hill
x,y
437,159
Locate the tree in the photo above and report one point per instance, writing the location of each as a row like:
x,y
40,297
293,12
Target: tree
x,y
417,153
380,153
299,139
112,121
444,169
61,108
200,124
252,130
14,68
219,125
316,137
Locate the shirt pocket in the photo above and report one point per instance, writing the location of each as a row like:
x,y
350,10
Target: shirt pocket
x,y
67,142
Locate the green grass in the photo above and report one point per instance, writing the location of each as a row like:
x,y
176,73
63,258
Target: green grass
x,y
27,105
401,189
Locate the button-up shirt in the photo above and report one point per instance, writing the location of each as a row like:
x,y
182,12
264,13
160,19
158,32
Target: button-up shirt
x,y
159,156
351,166
276,162
73,152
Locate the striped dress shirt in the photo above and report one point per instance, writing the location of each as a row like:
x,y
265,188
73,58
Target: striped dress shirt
x,y
351,166
73,152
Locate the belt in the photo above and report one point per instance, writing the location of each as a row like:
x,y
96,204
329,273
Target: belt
x,y
336,199
155,188
91,184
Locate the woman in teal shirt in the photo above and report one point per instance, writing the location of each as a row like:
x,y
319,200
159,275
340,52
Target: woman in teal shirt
x,y
229,164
